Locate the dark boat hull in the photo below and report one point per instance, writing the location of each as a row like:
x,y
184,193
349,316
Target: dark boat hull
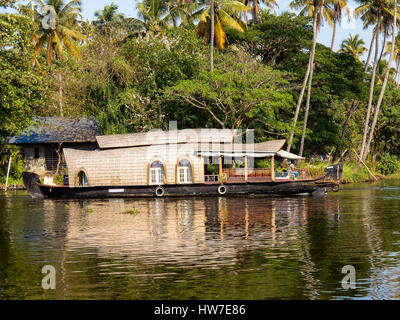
x,y
177,190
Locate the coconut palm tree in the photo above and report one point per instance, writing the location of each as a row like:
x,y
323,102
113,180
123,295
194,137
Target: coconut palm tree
x,y
157,15
271,4
319,10
106,17
338,7
371,12
63,33
396,56
57,26
226,15
353,46
381,94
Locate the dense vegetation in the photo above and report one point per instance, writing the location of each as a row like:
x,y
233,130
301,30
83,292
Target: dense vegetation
x,y
266,72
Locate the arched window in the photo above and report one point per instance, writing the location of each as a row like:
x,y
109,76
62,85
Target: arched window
x,y
82,179
184,172
156,173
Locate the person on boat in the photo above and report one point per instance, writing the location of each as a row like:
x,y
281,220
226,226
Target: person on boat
x,y
284,165
293,170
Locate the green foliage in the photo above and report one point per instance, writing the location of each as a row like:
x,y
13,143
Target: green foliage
x,y
389,164
20,87
240,93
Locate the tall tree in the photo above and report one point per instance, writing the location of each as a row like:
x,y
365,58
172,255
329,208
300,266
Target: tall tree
x,y
353,46
57,27
396,56
107,17
271,4
319,10
338,7
226,15
371,11
382,92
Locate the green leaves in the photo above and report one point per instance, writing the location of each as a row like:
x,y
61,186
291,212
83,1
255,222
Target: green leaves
x,y
239,93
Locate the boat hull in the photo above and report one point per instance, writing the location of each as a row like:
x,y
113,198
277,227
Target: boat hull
x,y
178,190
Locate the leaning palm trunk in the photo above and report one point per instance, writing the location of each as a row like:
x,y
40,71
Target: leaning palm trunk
x,y
397,73
299,102
385,80
370,51
212,37
371,90
314,44
256,11
383,47
333,34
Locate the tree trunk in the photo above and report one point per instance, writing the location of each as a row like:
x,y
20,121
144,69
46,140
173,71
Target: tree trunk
x,y
60,95
256,10
371,89
371,46
397,72
382,93
299,102
333,34
315,35
212,38
383,47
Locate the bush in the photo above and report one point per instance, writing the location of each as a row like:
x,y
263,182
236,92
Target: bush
x,y
388,164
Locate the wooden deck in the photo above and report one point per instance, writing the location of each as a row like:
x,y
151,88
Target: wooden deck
x,y
232,180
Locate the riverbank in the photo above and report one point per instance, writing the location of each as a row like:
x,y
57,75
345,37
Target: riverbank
x,y
351,172
13,184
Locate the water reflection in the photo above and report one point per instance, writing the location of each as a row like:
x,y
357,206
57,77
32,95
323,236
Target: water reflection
x,y
202,248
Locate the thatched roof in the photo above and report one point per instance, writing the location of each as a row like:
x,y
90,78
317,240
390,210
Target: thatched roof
x,y
56,130
166,137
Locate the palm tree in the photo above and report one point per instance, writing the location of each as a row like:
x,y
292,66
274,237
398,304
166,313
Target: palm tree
x,y
153,16
371,12
256,7
157,15
381,71
106,17
62,32
396,57
319,10
381,94
226,15
353,46
338,6
65,31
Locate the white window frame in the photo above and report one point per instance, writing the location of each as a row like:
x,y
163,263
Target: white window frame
x,y
158,175
187,173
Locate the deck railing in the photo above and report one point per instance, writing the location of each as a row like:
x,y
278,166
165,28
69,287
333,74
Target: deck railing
x,y
254,172
211,178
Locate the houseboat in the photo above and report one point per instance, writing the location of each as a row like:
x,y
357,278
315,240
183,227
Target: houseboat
x,y
189,162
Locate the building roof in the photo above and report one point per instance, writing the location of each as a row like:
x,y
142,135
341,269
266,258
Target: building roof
x,y
166,137
56,130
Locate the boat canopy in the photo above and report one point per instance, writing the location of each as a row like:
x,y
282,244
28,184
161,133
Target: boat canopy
x,y
288,155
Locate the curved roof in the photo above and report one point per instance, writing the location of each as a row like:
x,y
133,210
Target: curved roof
x,y
158,137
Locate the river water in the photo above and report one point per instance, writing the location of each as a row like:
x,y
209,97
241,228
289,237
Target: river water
x,y
204,248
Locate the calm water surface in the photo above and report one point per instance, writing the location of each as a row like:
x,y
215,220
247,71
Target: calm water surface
x,y
204,248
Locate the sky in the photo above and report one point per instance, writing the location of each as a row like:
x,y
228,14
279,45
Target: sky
x,y
128,8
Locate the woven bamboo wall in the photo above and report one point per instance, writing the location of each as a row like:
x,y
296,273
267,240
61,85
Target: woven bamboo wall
x,y
131,166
